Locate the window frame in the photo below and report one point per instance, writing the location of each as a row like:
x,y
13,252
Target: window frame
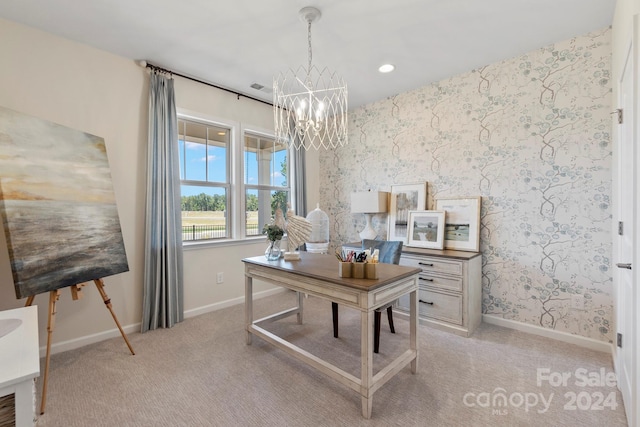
x,y
261,133
235,186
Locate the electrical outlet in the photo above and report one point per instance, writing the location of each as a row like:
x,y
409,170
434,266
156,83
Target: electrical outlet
x,y
577,302
220,278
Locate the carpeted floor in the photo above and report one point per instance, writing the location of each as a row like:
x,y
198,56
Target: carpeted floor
x,y
201,373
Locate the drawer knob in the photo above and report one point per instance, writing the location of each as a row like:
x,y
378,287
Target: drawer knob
x,y
428,264
425,302
426,280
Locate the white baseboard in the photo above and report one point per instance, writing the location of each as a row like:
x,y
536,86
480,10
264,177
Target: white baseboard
x,y
585,342
90,339
228,303
133,328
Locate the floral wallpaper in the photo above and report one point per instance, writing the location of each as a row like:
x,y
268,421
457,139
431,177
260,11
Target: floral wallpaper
x,y
531,135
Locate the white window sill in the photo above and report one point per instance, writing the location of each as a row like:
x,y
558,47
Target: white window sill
x,y
208,244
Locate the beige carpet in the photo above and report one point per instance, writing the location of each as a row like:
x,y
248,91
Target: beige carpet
x,y
201,373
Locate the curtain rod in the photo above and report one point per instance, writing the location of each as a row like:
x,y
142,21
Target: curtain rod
x,y
173,73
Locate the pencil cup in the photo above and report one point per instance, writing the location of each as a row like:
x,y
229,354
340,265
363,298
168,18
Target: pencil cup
x,y
357,270
344,269
370,271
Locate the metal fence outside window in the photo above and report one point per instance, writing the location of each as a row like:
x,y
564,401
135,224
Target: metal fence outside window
x,y
204,232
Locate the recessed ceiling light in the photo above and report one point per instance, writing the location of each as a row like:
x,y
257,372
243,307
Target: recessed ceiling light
x,y
386,68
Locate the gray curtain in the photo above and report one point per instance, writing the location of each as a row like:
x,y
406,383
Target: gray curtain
x,y
299,179
300,182
163,302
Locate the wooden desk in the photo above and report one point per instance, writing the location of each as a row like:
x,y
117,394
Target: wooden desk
x,y
317,274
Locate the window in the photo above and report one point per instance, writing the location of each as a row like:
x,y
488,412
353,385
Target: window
x,y
265,180
204,179
225,200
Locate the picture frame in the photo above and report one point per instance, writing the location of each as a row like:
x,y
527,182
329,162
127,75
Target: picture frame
x,y
403,199
426,229
462,225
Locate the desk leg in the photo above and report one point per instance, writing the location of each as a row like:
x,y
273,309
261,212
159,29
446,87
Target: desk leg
x,y
366,361
300,308
248,306
413,329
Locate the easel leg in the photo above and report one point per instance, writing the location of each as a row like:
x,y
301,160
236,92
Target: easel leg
x,y
29,301
53,297
107,301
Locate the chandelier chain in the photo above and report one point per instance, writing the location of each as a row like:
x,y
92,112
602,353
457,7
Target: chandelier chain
x,y
310,52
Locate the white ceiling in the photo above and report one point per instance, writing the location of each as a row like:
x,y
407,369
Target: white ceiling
x,y
235,43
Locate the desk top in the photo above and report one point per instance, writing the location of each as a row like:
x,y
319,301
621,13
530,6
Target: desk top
x,y
447,253
19,353
325,267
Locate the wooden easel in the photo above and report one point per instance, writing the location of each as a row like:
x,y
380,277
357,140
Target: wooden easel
x,y
76,294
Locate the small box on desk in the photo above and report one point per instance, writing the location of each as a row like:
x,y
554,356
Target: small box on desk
x,y
357,270
344,269
371,270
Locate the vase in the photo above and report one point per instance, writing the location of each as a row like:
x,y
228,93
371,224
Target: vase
x,y
273,250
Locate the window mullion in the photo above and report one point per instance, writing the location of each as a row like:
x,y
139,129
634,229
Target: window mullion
x,y
237,185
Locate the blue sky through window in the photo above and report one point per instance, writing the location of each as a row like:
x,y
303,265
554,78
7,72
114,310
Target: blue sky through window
x,y
195,159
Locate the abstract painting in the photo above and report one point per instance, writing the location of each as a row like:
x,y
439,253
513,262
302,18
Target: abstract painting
x,y
58,206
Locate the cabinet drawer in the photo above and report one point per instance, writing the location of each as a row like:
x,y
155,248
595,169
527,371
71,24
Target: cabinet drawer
x,y
436,305
432,265
442,282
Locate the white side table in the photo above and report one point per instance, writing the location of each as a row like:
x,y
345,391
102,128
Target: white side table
x,y
20,360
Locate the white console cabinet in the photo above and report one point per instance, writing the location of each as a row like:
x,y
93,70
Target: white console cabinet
x,y
450,294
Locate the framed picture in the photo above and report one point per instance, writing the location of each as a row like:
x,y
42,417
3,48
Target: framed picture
x,y
462,225
426,229
403,199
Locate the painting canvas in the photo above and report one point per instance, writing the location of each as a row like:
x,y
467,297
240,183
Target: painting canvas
x,y
404,198
426,229
57,203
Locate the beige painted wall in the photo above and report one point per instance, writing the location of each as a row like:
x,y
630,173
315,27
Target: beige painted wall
x,y
106,95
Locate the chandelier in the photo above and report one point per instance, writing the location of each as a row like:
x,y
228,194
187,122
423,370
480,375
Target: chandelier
x,y
309,104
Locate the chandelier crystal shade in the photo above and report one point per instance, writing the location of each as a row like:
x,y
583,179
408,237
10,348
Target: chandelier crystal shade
x,y
310,104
